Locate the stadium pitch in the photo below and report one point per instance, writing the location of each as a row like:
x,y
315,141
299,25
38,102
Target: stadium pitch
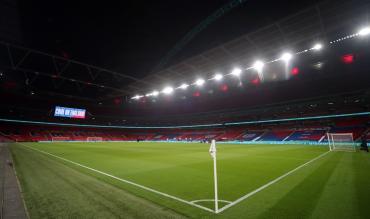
x,y
160,180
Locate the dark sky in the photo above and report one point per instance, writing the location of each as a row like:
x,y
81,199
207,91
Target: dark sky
x,y
132,36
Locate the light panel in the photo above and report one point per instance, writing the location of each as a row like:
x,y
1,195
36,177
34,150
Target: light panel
x,y
364,31
167,90
317,46
286,57
236,72
218,77
258,65
184,86
200,82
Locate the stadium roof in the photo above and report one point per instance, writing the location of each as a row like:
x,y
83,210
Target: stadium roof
x,y
53,75
321,23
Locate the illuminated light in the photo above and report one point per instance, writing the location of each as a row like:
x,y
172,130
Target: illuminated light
x,y
318,65
317,46
286,57
199,82
184,86
218,77
348,58
154,93
136,97
258,65
196,94
236,72
364,31
167,90
295,71
224,88
256,81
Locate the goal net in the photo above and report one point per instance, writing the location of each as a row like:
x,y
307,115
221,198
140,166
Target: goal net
x,y
60,139
94,139
341,142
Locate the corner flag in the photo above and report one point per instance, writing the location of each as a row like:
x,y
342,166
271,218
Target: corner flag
x,y
212,152
212,149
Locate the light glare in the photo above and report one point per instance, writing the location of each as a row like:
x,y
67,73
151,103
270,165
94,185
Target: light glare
x,y
286,57
184,86
155,93
236,72
364,31
136,97
167,90
218,77
199,82
258,65
317,46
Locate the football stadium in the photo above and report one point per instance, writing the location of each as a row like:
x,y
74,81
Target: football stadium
x,y
185,109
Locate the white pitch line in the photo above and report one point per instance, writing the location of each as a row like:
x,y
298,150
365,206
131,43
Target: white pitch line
x,y
269,184
210,200
124,180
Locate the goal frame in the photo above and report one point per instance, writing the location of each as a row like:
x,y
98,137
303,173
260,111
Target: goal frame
x,y
332,143
59,139
94,139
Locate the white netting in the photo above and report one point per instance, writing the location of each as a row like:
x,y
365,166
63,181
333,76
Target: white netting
x,y
341,142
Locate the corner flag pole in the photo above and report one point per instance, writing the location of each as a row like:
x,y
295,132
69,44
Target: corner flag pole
x,y
212,151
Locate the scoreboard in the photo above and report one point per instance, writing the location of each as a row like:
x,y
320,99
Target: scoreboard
x,y
69,112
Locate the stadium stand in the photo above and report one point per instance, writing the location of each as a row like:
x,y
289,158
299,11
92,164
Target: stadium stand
x,y
313,131
307,135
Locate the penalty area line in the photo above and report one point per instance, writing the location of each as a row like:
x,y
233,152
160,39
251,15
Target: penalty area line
x,y
210,200
269,183
124,180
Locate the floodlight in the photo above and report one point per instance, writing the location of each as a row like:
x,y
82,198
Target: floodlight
x,y
218,77
236,71
199,82
155,93
136,97
167,90
364,31
317,46
184,86
258,65
286,57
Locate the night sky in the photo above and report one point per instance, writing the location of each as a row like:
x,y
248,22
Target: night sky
x,y
131,37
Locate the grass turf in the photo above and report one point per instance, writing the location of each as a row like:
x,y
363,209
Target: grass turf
x,y
335,185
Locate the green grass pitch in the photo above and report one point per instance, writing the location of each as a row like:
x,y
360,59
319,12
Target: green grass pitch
x,y
55,185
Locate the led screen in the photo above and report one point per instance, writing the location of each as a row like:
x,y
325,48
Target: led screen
x,y
69,112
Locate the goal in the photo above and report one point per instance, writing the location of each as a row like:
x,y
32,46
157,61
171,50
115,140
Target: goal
x,y
60,139
94,139
341,142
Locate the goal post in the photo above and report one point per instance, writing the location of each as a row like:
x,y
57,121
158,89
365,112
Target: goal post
x,y
94,139
60,139
341,142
